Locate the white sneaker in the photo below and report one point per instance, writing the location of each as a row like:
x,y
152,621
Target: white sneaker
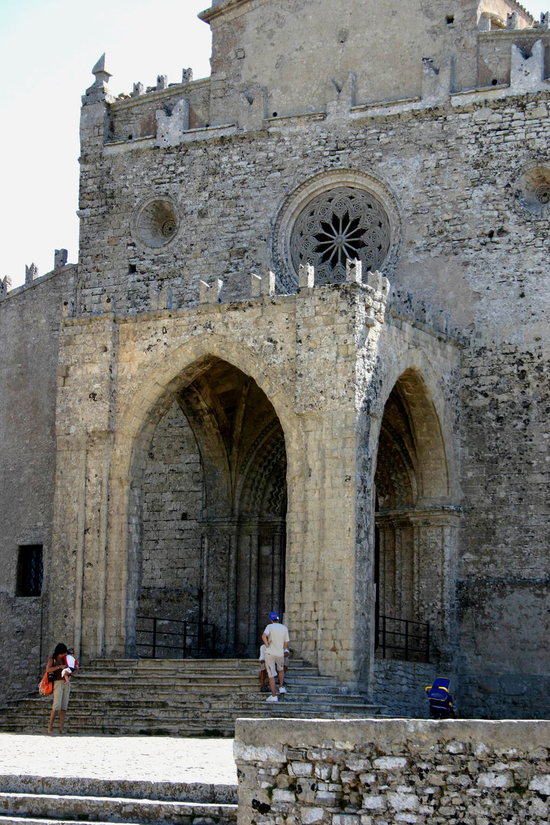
x,y
271,699
282,690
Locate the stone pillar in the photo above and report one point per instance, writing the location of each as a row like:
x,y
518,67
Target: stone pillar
x,y
435,540
79,576
218,566
329,557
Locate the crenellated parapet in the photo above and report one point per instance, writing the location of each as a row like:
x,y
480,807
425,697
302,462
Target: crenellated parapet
x,y
32,275
408,307
210,294
60,258
508,54
374,285
381,300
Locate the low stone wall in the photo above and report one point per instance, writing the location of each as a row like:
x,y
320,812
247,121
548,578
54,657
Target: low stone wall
x,y
380,771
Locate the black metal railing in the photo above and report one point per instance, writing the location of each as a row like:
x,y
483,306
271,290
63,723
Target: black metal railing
x,y
403,639
183,639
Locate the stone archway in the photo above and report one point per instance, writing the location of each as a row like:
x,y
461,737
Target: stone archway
x,y
415,521
209,520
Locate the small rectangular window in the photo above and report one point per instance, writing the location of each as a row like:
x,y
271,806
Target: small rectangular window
x,y
30,570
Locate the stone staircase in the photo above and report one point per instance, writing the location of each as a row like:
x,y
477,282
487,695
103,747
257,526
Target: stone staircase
x,y
28,800
192,697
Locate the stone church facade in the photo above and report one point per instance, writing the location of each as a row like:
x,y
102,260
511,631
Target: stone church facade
x,y
302,362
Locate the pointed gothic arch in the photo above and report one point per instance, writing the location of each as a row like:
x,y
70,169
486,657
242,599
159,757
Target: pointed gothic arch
x,y
141,413
207,525
415,517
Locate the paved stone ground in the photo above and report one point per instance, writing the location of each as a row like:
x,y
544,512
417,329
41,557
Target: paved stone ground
x,y
138,758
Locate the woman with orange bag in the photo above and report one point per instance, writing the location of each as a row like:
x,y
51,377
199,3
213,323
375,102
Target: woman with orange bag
x,y
61,689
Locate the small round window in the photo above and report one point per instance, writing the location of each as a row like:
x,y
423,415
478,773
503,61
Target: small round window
x,y
157,223
339,225
533,191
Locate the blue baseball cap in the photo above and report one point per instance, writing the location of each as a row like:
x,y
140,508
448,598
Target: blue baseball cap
x,y
274,617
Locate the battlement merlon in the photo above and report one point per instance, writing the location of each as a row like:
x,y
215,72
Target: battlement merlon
x,y
94,122
98,91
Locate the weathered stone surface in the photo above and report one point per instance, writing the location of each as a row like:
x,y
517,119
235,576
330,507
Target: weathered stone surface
x,y
402,788
217,433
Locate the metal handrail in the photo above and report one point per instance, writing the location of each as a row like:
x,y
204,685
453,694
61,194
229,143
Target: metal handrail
x,y
190,641
414,642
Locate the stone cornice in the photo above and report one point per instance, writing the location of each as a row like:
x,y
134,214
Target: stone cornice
x,y
228,7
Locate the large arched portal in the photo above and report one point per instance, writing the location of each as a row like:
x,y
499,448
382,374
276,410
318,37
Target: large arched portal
x,y
414,527
211,511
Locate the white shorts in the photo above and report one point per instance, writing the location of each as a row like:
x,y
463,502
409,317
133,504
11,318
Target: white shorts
x,y
273,664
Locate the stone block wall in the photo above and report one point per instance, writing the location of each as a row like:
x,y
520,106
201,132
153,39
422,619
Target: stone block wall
x,y
367,56
129,368
172,496
503,591
454,174
399,686
376,771
29,332
21,631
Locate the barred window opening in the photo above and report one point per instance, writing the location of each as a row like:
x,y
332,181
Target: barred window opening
x,y
30,570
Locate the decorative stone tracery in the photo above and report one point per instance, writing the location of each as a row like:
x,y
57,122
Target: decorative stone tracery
x,y
532,193
343,224
336,216
156,222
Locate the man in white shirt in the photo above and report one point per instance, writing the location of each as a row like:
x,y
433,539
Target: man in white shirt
x,y
276,640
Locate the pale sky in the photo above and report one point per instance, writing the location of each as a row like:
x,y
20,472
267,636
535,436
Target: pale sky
x,y
47,51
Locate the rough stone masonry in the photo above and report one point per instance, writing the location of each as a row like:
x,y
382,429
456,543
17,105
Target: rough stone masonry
x,y
377,771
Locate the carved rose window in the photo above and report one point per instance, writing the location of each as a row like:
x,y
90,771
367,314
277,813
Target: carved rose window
x,y
533,191
156,223
344,223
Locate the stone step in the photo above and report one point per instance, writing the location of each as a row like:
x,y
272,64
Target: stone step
x,y
28,820
80,723
290,708
33,707
127,674
210,726
114,809
228,712
127,788
198,732
184,680
188,694
189,697
190,665
86,681
184,698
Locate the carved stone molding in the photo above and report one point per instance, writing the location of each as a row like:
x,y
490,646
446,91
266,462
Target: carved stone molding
x,y
337,214
155,222
532,191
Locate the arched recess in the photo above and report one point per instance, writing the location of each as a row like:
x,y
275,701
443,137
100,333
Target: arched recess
x,y
207,508
415,524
